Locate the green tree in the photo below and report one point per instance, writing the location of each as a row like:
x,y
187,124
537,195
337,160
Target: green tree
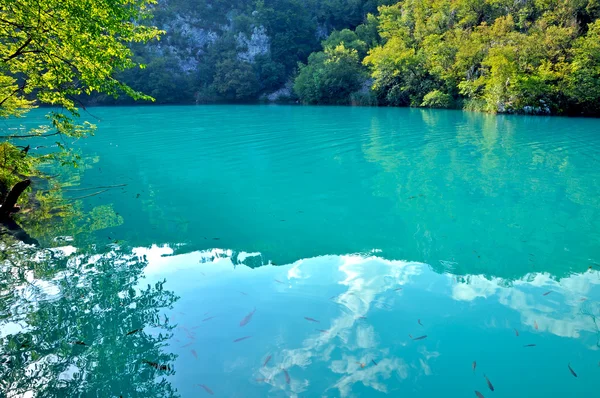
x,y
236,80
330,76
52,51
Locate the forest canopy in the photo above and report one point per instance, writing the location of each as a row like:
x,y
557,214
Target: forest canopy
x,y
499,56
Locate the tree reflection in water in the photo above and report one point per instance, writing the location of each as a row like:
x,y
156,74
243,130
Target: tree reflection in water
x,y
65,316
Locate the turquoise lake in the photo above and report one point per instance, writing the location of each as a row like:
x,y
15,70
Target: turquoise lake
x,y
275,251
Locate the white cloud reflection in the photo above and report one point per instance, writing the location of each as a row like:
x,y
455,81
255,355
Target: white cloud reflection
x,y
351,348
523,296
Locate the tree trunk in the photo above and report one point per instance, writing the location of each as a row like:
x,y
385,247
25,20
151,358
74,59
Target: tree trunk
x,y
9,205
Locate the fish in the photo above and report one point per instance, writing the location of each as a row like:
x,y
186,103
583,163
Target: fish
x,y
373,362
474,365
547,293
419,321
207,319
187,345
479,395
194,353
572,371
278,281
261,380
489,383
529,345
208,390
418,338
287,376
362,365
398,289
362,317
157,366
247,318
322,330
78,343
516,332
267,361
245,294
535,325
412,197
241,339
311,319
583,299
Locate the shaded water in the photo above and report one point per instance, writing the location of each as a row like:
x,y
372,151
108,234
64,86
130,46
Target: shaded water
x,y
240,221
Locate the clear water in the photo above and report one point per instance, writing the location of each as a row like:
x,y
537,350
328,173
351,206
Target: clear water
x,y
480,232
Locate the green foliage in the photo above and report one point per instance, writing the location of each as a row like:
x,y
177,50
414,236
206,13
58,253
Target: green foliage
x,y
51,52
273,36
437,99
491,55
236,80
330,76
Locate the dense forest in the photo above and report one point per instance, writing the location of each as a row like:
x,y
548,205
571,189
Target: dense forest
x,y
521,56
235,50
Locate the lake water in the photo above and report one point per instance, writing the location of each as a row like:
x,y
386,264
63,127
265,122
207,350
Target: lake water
x,y
252,251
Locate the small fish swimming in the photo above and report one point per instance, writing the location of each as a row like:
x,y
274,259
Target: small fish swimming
x,y
245,294
278,281
322,331
547,293
418,338
262,379
78,343
194,353
157,366
267,361
535,325
489,383
208,390
529,345
516,332
362,317
398,289
241,339
287,376
247,318
572,371
187,345
373,362
474,365
419,321
583,299
311,319
208,319
479,395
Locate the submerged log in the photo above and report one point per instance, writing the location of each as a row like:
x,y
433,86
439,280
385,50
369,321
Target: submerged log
x,y
10,203
7,225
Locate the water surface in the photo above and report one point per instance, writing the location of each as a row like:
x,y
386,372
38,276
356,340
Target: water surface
x,y
384,225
